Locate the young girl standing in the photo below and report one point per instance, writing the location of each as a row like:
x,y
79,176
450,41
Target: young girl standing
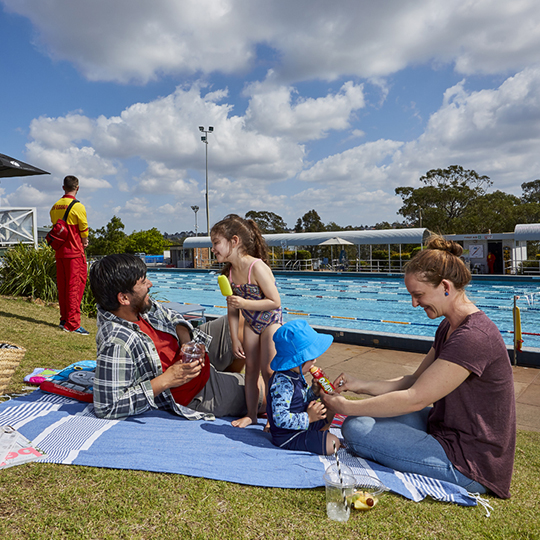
x,y
239,243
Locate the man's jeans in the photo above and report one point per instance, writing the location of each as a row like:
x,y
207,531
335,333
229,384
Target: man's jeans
x,y
402,443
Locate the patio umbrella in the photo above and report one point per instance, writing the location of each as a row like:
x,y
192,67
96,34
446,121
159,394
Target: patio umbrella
x,y
13,167
335,241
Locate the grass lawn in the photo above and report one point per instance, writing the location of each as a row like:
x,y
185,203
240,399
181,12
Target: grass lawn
x,y
45,501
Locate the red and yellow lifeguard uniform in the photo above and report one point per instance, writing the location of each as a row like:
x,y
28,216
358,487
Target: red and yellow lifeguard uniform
x,y
71,269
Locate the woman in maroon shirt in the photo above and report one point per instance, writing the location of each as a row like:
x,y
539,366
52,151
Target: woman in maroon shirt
x,y
468,436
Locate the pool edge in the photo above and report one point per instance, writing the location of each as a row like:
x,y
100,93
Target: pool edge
x,y
528,357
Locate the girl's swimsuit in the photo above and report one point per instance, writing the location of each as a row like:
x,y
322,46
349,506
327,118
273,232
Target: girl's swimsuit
x,y
259,321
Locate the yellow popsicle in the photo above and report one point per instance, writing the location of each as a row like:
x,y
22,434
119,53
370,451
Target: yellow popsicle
x,y
224,285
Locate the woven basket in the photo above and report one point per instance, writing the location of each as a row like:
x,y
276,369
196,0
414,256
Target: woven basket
x,y
9,360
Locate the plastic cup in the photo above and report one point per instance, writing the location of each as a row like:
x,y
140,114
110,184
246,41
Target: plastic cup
x,y
335,489
192,351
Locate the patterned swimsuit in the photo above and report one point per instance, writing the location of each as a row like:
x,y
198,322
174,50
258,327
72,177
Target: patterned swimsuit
x,y
259,321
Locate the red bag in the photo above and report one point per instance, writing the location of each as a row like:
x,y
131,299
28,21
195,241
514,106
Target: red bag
x,y
59,233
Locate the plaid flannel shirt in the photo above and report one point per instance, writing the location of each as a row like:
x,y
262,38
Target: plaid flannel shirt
x,y
127,361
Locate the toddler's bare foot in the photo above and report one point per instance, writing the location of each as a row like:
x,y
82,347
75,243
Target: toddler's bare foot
x,y
244,422
267,427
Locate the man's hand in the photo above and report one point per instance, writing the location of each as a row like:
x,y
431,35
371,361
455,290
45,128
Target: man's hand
x,y
179,374
84,242
316,411
176,375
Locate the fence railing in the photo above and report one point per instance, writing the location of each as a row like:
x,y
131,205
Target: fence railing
x,y
394,266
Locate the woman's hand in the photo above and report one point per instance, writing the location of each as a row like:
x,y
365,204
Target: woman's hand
x,y
336,403
345,382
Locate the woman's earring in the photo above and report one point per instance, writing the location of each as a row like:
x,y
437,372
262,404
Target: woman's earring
x,y
445,293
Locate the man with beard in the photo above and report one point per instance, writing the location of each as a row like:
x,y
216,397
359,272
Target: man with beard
x,y
139,361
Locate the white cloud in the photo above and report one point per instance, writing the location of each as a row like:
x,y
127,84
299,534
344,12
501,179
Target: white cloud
x,y
273,111
26,195
147,161
495,132
164,134
134,40
362,165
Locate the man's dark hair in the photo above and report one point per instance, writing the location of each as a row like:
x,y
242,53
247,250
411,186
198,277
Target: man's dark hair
x,y
115,274
71,183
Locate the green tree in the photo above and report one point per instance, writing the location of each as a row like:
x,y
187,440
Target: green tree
x,y
150,242
496,212
333,226
310,222
444,198
107,240
531,192
268,222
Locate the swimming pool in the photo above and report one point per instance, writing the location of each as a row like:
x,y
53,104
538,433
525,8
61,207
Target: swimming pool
x,y
371,303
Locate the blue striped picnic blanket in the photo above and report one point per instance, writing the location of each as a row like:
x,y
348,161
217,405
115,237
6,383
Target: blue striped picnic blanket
x,y
70,433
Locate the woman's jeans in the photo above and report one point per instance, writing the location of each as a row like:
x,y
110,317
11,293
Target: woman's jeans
x,y
402,443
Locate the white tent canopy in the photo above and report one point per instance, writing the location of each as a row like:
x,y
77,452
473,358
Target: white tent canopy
x,y
370,237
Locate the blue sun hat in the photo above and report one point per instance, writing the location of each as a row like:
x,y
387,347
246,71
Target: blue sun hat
x,y
296,342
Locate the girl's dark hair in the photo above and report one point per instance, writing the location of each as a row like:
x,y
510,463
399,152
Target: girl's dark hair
x,y
440,260
115,274
251,239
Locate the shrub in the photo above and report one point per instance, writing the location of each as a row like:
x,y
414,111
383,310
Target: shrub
x,y
379,254
26,271
300,254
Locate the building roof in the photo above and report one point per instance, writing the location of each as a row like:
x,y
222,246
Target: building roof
x,y
528,231
381,236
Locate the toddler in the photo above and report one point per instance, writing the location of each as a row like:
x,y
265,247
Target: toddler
x,y
297,420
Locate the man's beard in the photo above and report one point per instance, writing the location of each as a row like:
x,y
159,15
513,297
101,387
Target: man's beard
x,y
143,306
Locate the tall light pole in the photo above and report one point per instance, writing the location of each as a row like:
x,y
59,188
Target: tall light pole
x,y
195,208
204,139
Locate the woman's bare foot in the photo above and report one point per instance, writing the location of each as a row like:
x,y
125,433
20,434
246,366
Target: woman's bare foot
x,y
244,422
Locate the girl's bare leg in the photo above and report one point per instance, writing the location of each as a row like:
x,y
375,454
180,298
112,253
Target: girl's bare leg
x,y
251,350
267,353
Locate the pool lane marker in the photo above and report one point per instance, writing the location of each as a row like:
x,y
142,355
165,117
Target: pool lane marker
x,y
304,314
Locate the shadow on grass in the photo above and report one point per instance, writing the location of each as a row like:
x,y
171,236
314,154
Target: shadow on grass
x,y
26,319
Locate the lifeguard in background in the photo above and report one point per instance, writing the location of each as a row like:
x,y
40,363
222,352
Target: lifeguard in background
x,y
71,269
491,262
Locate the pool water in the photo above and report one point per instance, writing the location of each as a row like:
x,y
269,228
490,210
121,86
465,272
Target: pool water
x,y
380,304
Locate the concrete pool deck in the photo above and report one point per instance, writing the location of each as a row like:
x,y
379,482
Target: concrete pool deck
x,y
395,355
375,363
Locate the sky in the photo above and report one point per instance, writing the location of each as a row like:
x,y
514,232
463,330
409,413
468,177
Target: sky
x,y
315,104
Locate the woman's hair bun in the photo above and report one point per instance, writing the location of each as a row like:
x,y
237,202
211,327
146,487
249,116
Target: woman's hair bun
x,y
441,244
